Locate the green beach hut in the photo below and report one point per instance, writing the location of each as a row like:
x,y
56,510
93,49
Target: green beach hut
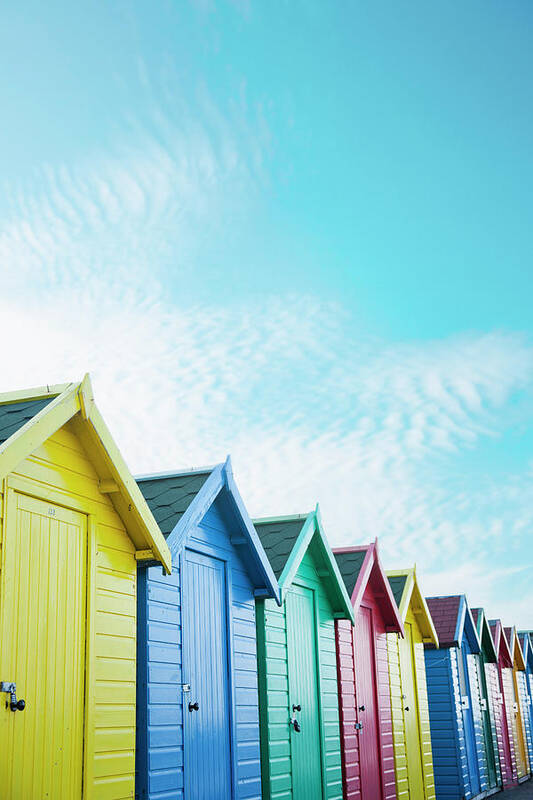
x,y
298,698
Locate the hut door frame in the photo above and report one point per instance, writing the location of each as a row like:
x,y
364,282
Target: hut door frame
x,y
14,484
203,550
318,684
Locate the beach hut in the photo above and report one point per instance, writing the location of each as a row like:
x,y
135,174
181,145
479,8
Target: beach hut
x,y
409,701
197,702
73,527
298,700
364,689
521,728
506,701
491,709
459,756
526,643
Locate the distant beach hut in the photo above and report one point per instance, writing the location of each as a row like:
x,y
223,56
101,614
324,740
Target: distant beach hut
x,y
455,701
526,643
73,525
364,689
197,704
409,700
521,728
507,741
300,737
491,708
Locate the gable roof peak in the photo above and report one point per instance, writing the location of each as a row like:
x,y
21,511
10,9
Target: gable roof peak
x,y
40,413
287,539
357,566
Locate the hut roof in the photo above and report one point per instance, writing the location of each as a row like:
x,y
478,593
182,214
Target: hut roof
x,y
179,501
453,620
484,633
286,541
406,590
28,418
501,645
360,567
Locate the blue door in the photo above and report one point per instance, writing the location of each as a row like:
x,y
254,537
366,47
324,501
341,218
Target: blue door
x,y
468,722
206,713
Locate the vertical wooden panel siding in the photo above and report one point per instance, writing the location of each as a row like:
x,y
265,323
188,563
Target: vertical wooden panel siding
x,y
447,731
275,732
61,464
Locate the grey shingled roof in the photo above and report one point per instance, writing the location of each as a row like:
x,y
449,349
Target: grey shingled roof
x,y
397,584
349,565
14,415
169,497
278,539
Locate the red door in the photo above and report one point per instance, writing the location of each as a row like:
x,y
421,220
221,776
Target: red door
x,y
367,710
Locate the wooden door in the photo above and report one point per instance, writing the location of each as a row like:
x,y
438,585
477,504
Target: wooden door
x,y
367,707
486,721
411,715
42,634
206,708
522,760
306,751
468,721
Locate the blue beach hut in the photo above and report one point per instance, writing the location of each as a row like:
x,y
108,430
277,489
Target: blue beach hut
x,y
456,701
197,696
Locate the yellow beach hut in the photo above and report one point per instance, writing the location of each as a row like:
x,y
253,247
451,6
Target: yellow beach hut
x,y
73,524
519,729
409,700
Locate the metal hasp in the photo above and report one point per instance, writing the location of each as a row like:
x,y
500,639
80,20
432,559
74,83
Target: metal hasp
x,y
11,690
294,722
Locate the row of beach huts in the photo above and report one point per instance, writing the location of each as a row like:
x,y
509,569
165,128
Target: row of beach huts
x,y
156,643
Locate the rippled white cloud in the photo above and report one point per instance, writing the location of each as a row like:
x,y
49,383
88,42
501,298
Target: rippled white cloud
x,y
375,431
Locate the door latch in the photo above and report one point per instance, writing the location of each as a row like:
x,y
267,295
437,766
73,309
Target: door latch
x,y
358,726
11,690
296,725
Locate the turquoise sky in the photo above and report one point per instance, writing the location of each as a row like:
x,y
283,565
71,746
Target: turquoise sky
x,y
302,232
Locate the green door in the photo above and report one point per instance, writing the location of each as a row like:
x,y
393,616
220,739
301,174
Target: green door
x,y
487,728
306,753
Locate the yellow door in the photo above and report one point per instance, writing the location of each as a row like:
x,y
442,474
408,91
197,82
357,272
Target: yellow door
x,y
521,753
42,650
411,715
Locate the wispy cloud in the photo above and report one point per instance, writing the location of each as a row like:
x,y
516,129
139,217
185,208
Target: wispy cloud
x,y
376,432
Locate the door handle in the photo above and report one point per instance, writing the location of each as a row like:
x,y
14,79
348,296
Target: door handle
x,y
297,708
361,708
194,706
11,690
358,726
407,708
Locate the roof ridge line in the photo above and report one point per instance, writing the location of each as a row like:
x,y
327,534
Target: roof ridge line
x,y
177,473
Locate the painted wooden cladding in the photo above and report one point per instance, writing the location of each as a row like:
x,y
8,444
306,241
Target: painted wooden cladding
x,y
44,622
60,473
474,692
514,723
524,702
519,729
162,703
275,700
507,691
450,763
351,758
418,668
499,726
